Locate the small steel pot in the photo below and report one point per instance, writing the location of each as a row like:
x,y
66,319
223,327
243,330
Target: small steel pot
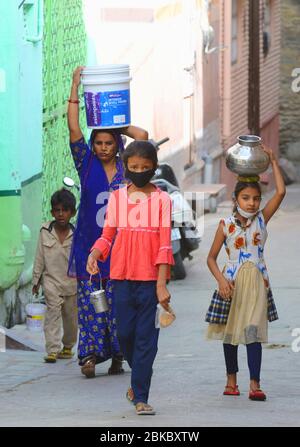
x,y
99,301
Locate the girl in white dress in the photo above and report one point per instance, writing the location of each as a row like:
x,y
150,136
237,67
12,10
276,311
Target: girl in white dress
x,y
243,304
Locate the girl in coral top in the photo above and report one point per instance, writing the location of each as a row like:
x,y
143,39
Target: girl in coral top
x,y
138,224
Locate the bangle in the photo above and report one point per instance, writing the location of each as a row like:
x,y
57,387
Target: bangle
x,y
74,101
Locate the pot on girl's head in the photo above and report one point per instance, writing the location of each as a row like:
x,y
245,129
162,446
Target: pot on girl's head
x,y
247,157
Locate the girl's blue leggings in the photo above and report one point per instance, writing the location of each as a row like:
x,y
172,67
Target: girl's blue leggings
x,y
254,355
136,304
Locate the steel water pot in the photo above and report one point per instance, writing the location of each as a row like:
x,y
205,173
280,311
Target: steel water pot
x,y
247,157
98,298
99,301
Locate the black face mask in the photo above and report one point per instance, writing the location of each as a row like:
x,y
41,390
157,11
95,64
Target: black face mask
x,y
140,179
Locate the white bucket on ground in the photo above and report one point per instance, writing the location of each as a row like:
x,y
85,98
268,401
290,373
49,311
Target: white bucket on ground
x,y
107,96
35,314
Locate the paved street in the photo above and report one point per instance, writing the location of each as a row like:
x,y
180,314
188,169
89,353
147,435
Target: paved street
x,y
189,372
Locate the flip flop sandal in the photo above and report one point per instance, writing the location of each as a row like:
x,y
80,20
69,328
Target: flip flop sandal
x,y
116,368
88,369
65,353
51,358
143,409
130,395
231,391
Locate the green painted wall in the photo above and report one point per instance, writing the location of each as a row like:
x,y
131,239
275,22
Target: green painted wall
x,y
11,246
21,150
65,47
41,42
30,110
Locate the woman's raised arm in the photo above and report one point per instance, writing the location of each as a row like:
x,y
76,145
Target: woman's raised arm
x,y
73,108
137,133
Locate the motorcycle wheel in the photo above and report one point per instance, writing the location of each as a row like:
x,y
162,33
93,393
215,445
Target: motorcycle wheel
x,y
179,268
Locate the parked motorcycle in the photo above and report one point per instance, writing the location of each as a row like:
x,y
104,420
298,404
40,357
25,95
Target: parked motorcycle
x,y
69,182
185,237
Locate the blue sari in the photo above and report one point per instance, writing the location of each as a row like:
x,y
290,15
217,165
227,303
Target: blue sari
x,y
97,332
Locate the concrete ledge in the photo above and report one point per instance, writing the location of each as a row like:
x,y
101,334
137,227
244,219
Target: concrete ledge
x,y
19,337
225,207
195,168
213,194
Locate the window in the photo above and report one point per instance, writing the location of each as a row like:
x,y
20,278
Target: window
x,y
267,22
234,32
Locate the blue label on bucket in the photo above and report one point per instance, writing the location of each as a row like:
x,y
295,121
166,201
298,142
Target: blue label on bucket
x,y
107,109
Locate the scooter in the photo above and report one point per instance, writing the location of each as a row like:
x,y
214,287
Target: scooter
x,y
69,182
185,237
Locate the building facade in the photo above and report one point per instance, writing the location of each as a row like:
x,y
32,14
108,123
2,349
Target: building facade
x,y
250,73
204,72
41,42
290,83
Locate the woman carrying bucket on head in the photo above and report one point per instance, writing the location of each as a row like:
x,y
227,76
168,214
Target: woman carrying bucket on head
x,y
100,171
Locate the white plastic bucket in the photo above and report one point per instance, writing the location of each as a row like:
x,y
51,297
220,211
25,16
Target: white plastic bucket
x,y
35,314
107,96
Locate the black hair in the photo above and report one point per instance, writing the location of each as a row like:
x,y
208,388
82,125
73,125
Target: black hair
x,y
143,149
240,186
65,198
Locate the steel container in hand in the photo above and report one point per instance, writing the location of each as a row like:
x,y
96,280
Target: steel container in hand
x,y
99,301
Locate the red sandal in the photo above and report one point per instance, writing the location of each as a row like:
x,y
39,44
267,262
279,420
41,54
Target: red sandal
x,y
234,391
258,395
